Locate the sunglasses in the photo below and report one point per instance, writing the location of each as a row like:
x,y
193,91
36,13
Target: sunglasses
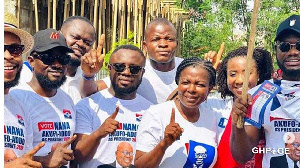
x,y
286,46
14,49
134,69
126,153
49,59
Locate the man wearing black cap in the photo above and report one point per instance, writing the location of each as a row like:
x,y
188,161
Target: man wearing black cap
x,y
279,112
50,109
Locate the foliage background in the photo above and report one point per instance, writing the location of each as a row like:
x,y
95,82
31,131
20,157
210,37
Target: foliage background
x,y
215,21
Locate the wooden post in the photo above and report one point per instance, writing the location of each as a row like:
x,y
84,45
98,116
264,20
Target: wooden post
x,y
140,33
128,17
135,20
18,12
95,19
73,7
54,14
115,17
82,8
35,2
100,19
49,14
240,122
66,9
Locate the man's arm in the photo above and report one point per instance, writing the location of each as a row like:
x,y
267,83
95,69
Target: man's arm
x,y
86,146
242,140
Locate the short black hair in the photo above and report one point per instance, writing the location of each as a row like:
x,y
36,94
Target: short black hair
x,y
263,62
195,61
72,18
159,21
129,47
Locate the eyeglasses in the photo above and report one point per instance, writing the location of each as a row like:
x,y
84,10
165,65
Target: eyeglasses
x,y
49,59
286,46
14,49
134,69
126,153
296,144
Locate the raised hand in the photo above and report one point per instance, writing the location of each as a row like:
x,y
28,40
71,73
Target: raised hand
x,y
60,154
25,160
92,62
240,107
215,58
110,124
172,131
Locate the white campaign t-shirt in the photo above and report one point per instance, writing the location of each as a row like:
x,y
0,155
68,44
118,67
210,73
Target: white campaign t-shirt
x,y
278,123
222,109
53,118
26,74
156,86
197,145
94,110
17,127
72,85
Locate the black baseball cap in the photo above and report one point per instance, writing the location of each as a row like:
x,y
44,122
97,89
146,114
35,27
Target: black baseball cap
x,y
47,39
292,23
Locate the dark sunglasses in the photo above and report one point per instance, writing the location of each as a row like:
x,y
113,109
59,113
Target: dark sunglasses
x,y
49,59
134,69
14,49
286,46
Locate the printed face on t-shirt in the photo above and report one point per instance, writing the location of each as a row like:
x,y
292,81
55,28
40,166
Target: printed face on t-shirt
x,y
124,154
294,148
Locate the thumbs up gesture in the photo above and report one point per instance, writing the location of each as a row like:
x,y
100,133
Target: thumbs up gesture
x,y
25,160
110,124
172,131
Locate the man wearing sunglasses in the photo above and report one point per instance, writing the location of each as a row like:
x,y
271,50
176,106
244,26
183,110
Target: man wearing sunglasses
x,y
51,110
112,115
278,113
16,143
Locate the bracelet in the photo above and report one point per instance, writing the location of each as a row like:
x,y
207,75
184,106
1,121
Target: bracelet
x,y
88,78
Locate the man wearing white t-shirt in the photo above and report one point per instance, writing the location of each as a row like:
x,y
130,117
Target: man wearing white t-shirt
x,y
17,126
160,69
112,115
278,113
51,110
80,36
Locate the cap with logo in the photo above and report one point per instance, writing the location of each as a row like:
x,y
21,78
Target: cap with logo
x,y
11,25
47,39
292,23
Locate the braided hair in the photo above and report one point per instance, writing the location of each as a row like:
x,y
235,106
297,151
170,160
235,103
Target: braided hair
x,y
195,61
263,62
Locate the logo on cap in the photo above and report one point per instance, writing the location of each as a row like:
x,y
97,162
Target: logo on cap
x,y
292,22
54,35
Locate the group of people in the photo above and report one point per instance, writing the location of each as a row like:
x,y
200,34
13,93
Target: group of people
x,y
59,116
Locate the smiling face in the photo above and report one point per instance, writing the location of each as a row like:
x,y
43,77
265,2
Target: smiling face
x,y
294,148
193,86
235,75
80,37
126,83
161,42
289,62
124,154
49,76
12,63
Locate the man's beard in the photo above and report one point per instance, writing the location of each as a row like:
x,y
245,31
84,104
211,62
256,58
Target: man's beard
x,y
46,83
74,62
125,91
288,72
14,82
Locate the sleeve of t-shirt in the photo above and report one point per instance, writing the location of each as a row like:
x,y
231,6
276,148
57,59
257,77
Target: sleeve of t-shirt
x,y
84,118
149,134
